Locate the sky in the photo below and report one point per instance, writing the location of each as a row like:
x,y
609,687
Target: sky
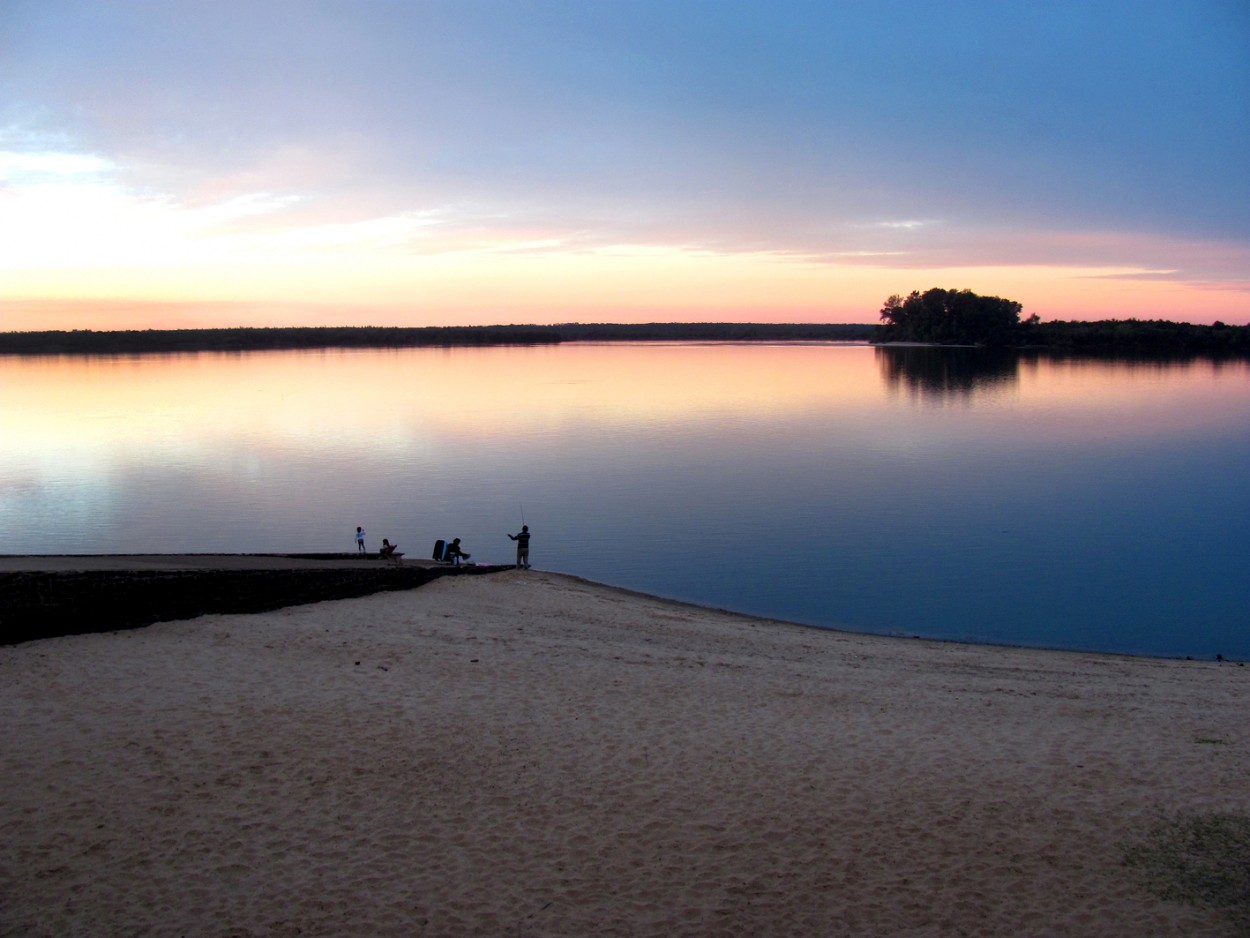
x,y
169,163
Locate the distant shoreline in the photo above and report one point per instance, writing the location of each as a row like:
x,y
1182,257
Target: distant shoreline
x,y
165,341
1114,338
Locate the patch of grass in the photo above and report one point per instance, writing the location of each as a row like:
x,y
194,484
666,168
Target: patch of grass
x,y
1208,741
1202,860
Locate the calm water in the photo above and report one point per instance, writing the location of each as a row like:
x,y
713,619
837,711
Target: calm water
x,y
954,494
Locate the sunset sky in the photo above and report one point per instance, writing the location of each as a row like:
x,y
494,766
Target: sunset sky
x,y
169,163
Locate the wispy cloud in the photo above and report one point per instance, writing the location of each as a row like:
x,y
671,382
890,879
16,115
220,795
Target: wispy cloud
x,y
908,225
248,206
366,234
17,168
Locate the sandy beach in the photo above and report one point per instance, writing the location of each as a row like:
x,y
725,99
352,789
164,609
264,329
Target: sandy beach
x,y
528,754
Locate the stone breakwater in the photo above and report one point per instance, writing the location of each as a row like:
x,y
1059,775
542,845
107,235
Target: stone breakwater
x,y
37,604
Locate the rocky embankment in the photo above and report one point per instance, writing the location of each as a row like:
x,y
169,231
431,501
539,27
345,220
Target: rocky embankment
x,y
45,603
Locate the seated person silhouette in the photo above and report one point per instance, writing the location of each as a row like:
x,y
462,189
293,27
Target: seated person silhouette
x,y
454,553
388,549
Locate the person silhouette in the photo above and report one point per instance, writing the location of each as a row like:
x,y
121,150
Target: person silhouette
x,y
454,553
522,547
360,540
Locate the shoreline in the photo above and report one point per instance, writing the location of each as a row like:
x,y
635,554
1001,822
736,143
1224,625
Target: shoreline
x,y
44,595
1098,338
531,754
321,338
891,636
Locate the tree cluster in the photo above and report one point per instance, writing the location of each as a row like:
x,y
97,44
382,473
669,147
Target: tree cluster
x,y
950,317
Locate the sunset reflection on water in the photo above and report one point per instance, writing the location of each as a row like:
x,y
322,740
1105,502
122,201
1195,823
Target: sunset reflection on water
x,y
885,489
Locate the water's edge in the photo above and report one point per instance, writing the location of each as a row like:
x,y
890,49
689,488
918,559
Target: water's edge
x,y
51,603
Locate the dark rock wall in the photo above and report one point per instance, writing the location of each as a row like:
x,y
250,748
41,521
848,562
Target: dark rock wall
x,y
45,605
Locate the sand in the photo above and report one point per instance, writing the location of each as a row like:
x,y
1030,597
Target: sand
x,y
528,754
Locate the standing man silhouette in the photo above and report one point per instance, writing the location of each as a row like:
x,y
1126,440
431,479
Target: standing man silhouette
x,y
522,547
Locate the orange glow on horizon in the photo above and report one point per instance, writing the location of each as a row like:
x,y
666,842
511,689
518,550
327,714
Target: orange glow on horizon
x,y
128,262
549,289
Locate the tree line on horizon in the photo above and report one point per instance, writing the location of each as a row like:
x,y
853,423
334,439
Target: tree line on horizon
x,y
240,339
961,317
250,339
935,317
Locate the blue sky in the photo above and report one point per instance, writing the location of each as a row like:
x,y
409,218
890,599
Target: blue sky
x,y
548,161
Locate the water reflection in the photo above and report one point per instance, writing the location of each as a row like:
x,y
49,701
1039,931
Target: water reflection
x,y
938,373
1066,502
926,372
